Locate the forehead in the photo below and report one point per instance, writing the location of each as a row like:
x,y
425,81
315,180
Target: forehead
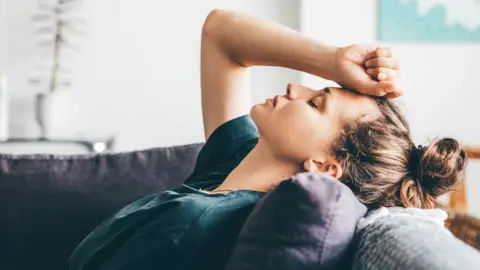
x,y
350,105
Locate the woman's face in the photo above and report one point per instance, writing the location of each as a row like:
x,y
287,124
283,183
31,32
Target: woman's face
x,y
302,124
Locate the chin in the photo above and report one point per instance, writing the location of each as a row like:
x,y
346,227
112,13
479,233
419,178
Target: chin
x,y
257,113
261,116
254,112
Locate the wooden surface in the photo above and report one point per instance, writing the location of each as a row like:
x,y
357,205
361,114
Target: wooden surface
x,y
458,198
472,152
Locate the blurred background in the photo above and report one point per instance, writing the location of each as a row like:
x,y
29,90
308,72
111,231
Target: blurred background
x,y
128,71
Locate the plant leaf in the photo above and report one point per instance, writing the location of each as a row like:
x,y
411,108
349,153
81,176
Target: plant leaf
x,y
73,31
68,6
46,30
72,20
42,17
68,45
46,7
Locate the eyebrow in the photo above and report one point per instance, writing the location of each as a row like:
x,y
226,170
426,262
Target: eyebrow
x,y
328,92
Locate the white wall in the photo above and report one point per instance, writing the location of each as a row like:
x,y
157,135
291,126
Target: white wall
x,y
442,80
137,72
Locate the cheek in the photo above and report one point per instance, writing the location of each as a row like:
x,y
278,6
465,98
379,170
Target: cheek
x,y
296,131
298,121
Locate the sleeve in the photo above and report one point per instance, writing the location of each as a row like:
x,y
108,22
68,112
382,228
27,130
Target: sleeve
x,y
232,140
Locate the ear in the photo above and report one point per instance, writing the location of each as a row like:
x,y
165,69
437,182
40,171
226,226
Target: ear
x,y
330,167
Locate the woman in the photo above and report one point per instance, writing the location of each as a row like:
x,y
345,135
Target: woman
x,y
357,136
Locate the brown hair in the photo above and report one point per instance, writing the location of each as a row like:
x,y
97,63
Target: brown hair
x,y
383,167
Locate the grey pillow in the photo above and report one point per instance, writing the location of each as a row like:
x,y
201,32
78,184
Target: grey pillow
x,y
307,222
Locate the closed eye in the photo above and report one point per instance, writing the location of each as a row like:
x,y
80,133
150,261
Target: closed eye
x,y
311,103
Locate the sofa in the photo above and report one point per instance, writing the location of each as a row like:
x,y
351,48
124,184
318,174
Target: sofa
x,y
50,203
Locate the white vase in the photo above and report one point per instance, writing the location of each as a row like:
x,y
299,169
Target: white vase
x,y
56,114
44,113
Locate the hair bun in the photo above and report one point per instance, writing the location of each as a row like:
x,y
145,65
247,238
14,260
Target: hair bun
x,y
441,166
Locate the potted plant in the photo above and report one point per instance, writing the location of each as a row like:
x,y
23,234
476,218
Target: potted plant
x,y
57,24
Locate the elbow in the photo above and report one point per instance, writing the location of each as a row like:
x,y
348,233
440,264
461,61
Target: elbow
x,y
212,22
216,31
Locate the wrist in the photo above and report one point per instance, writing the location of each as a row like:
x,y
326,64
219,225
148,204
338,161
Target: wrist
x,y
325,62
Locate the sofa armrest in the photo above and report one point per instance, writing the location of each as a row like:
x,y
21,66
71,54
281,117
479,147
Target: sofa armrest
x,y
409,243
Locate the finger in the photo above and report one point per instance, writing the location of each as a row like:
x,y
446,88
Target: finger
x,y
394,94
383,52
383,74
394,88
385,62
375,88
370,51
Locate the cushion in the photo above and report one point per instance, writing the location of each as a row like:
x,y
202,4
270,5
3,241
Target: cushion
x,y
410,242
50,203
307,222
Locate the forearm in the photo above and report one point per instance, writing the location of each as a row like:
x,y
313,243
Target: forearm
x,y
251,41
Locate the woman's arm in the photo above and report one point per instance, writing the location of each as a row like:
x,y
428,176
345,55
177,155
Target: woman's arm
x,y
231,42
250,41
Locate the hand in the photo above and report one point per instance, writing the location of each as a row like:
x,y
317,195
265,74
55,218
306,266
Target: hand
x,y
370,70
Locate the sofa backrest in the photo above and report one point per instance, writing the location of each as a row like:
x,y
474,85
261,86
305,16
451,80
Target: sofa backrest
x,y
406,241
49,203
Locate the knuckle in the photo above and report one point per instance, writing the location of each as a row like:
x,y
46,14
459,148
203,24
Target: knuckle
x,y
384,51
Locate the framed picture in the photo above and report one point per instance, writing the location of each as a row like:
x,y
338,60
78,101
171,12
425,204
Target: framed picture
x,y
429,20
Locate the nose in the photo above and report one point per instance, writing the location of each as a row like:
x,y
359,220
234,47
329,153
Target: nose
x,y
295,91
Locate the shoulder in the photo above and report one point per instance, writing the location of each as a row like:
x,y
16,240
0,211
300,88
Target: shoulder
x,y
204,204
196,206
227,140
225,148
217,226
203,213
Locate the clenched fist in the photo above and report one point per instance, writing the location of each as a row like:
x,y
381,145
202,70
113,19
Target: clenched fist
x,y
370,70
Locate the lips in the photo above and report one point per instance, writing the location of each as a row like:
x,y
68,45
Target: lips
x,y
273,100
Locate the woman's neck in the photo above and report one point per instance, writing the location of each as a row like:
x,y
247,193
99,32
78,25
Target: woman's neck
x,y
260,170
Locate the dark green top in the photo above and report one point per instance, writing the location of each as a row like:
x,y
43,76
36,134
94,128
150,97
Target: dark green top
x,y
184,228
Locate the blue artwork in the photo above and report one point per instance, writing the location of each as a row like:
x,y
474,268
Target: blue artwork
x,y
429,20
